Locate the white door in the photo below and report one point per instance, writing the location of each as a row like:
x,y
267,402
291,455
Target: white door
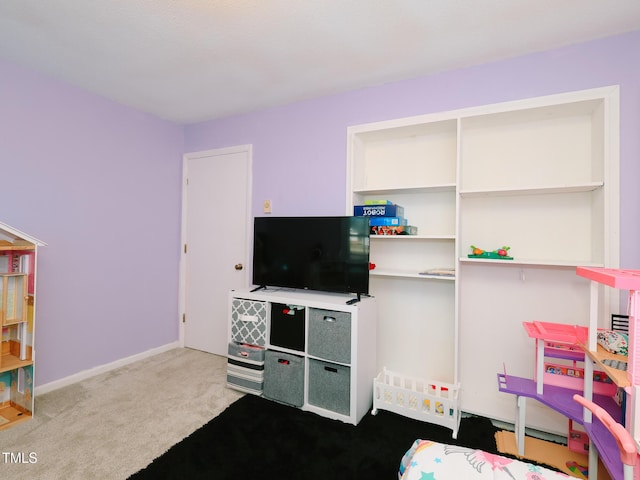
x,y
215,230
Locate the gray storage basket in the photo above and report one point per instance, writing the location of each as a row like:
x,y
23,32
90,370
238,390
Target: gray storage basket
x,y
284,378
330,335
330,386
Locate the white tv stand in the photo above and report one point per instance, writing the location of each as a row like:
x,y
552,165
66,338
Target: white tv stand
x,y
337,358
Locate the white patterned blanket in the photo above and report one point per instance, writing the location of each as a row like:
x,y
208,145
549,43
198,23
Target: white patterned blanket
x,y
427,460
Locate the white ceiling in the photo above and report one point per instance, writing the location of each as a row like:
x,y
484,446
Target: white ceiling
x,y
192,60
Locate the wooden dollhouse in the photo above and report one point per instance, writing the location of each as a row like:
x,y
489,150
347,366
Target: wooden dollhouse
x,y
18,253
612,390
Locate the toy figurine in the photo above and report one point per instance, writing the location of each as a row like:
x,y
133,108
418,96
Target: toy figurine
x,y
498,254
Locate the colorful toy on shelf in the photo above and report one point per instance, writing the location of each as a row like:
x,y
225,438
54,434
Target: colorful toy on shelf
x,y
498,254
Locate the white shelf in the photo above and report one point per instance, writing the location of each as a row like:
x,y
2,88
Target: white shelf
x,y
388,272
533,262
539,175
412,237
539,190
392,190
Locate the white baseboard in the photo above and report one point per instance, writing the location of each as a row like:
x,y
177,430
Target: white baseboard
x,y
85,374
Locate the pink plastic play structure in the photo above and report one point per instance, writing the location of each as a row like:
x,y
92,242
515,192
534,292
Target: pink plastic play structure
x,y
560,341
585,396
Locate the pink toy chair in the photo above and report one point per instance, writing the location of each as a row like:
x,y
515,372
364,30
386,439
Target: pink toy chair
x,y
626,444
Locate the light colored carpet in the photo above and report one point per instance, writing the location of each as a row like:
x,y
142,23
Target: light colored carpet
x,y
114,424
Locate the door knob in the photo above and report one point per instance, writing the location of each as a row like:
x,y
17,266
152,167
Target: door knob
x,y
239,266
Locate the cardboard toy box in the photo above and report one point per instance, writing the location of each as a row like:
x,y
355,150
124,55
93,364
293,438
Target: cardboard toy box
x,y
378,211
387,221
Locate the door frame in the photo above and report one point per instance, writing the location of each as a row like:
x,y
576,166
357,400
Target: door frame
x,y
182,283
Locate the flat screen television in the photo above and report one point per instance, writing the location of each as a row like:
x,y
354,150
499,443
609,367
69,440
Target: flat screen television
x,y
328,254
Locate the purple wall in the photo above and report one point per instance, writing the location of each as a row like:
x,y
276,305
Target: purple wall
x,y
101,185
300,149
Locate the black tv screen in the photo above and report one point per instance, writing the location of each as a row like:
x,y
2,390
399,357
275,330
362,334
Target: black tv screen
x,y
317,253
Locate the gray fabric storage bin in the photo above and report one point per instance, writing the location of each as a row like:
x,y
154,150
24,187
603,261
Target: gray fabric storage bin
x,y
329,386
245,368
330,335
247,353
249,321
284,378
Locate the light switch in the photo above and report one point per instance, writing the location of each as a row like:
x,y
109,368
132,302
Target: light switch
x,y
266,206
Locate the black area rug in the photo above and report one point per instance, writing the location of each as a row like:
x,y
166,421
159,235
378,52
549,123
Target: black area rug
x,y
256,438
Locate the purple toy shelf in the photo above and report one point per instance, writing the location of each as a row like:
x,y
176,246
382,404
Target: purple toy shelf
x,y
558,398
561,400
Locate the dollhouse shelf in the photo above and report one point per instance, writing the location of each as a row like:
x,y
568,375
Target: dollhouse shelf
x,y
11,413
16,248
10,362
10,416
619,377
